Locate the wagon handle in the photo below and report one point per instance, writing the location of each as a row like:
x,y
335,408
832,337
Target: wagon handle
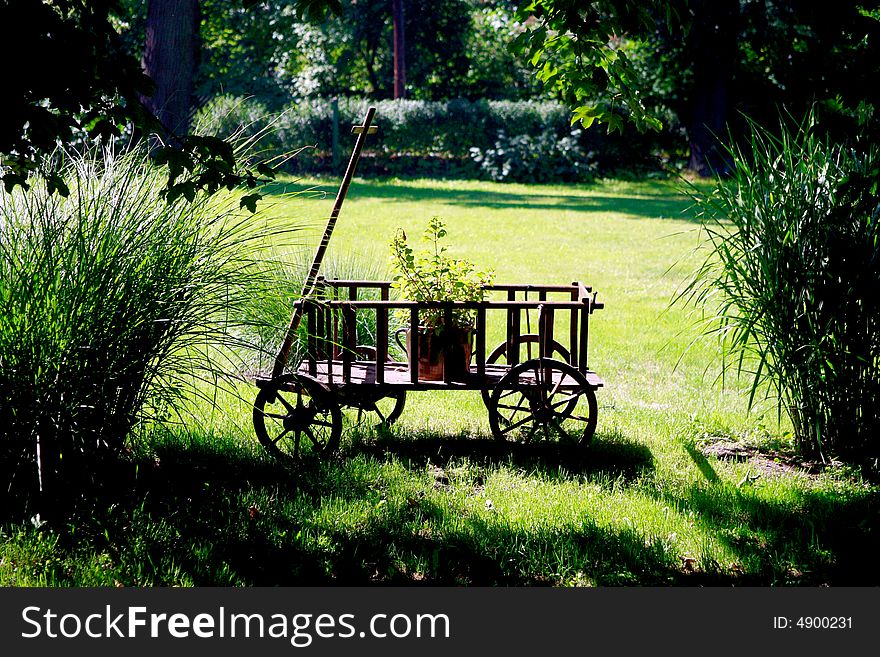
x,y
361,131
397,335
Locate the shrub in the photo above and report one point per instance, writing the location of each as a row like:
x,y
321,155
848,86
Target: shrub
x,y
794,246
455,138
535,159
113,303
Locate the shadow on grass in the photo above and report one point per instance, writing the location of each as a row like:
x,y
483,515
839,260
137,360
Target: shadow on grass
x,y
209,513
702,463
242,519
611,455
668,205
810,536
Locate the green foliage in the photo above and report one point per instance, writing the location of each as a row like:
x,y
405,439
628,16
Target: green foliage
x,y
790,284
113,302
576,51
494,72
77,79
615,61
91,85
804,56
817,56
454,48
242,48
501,140
535,159
432,275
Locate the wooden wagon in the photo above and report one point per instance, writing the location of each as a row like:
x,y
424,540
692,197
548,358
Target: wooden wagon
x,y
535,385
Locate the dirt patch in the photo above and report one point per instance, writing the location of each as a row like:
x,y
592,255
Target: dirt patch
x,y
765,462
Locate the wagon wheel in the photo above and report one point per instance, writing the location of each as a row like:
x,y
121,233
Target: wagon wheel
x,y
543,399
499,354
296,415
381,410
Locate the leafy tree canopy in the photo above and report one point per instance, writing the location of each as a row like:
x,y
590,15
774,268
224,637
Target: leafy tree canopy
x,y
576,50
65,72
454,48
790,55
80,80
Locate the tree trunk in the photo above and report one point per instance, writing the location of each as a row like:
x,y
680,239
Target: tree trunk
x,y
170,56
399,50
713,50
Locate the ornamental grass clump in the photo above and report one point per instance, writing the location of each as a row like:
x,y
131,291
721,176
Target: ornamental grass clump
x,y
113,304
793,271
268,316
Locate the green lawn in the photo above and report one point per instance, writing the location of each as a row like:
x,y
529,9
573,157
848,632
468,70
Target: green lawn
x,y
435,499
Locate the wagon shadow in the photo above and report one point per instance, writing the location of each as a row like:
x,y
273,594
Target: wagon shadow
x,y
480,550
610,454
198,495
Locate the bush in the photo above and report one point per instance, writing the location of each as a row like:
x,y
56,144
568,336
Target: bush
x,y
794,245
535,159
112,303
495,140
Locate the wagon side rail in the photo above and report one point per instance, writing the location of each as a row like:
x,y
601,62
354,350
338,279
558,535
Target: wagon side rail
x,y
578,290
331,319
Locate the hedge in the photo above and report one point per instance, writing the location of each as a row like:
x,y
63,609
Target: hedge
x,y
499,140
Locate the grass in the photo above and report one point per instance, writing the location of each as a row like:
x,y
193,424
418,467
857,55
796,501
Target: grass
x,y
435,499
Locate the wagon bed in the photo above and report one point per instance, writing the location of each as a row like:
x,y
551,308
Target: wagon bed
x,y
397,374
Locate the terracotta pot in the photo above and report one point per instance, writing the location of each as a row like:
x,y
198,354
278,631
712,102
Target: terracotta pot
x,y
432,363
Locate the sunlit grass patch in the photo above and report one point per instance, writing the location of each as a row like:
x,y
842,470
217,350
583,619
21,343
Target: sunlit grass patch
x,y
435,498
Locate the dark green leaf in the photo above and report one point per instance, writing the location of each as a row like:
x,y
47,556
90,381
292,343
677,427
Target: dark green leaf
x,y
250,201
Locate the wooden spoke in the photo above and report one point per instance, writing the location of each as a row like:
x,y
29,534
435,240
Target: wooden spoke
x,y
517,425
545,408
314,414
555,388
510,408
531,342
528,437
286,404
375,407
280,435
312,437
561,429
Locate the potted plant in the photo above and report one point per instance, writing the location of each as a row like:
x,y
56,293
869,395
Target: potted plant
x,y
432,275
